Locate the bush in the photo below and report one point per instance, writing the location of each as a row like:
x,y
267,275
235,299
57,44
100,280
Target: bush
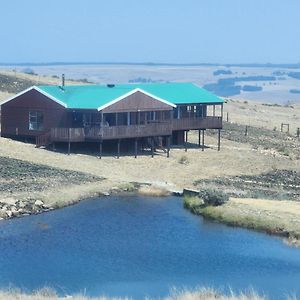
x,y
213,197
183,160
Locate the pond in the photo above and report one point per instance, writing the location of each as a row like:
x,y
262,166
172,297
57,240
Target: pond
x,y
140,246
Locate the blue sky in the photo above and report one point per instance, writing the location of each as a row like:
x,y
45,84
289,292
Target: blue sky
x,y
177,31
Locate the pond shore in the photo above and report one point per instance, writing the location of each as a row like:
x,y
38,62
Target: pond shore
x,y
34,180
281,218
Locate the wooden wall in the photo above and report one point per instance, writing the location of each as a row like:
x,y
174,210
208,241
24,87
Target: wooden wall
x,y
137,102
15,114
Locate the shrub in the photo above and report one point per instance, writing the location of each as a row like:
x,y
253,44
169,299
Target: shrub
x,y
183,160
213,197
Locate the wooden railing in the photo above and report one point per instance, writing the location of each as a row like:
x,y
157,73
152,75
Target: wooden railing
x,y
67,134
197,123
133,131
130,131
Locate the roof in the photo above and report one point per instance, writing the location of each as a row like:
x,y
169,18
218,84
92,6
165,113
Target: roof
x,y
100,96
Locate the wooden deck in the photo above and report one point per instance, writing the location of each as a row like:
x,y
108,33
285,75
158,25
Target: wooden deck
x,y
133,131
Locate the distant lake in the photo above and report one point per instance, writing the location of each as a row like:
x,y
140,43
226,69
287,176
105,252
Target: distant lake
x,y
139,246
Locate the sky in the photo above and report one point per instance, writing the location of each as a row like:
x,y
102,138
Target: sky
x,y
174,31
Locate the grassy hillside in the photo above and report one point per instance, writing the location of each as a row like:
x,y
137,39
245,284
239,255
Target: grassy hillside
x,y
13,85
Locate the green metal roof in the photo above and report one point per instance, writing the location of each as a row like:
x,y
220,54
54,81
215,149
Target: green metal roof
x,y
95,96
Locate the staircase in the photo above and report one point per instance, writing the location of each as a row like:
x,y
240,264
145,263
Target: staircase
x,y
157,143
43,140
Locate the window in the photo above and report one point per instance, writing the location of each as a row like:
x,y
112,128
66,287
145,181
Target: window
x,y
36,120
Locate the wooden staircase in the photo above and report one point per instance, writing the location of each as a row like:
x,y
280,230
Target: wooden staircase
x,y
43,140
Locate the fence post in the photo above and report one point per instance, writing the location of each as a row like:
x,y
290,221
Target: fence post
x,y
246,130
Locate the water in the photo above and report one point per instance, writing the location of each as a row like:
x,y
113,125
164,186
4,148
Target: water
x,y
139,246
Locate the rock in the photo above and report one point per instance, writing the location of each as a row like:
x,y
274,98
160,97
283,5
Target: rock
x,y
190,192
46,206
21,204
3,213
9,201
9,213
14,211
178,193
38,203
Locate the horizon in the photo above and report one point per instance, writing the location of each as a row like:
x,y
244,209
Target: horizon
x,y
241,64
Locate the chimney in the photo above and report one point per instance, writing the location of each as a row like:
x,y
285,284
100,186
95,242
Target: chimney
x,y
63,81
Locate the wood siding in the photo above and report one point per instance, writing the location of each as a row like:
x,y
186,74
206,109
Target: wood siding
x,y
15,114
137,102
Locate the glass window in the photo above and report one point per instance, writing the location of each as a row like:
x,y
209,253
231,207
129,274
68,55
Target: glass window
x,y
36,120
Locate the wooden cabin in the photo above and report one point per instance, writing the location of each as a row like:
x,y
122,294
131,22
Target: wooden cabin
x,y
96,113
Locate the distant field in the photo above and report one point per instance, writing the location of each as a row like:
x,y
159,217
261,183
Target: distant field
x,y
264,84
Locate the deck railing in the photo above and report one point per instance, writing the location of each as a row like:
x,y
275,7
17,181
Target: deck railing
x,y
67,134
133,131
130,131
197,123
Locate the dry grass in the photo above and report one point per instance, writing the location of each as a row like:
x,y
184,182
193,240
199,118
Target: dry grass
x,y
212,294
257,114
153,191
197,294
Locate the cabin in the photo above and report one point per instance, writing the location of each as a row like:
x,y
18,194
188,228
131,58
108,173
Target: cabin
x,y
155,115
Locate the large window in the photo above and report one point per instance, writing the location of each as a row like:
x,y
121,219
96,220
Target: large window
x,y
36,120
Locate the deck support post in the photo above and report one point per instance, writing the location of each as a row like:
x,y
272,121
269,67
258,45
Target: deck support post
x,y
219,139
69,141
203,132
135,148
186,140
69,147
168,146
119,142
199,138
100,149
152,147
